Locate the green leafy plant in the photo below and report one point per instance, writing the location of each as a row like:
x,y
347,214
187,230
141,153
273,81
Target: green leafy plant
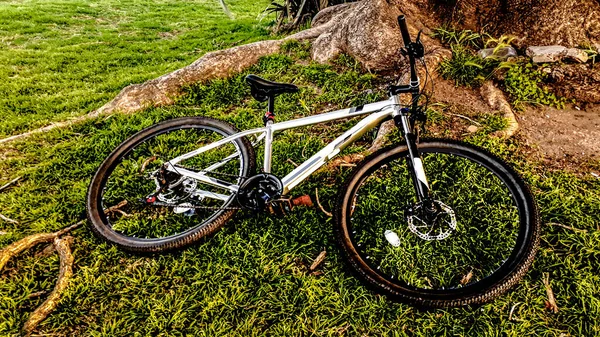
x,y
524,84
465,68
467,38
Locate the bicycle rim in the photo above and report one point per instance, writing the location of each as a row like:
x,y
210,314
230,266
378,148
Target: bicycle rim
x,y
182,204
422,258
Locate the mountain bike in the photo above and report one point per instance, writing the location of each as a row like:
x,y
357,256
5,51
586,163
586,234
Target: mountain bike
x,y
431,222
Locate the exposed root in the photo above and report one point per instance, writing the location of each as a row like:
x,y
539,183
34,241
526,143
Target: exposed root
x,y
496,100
28,242
5,186
551,302
319,204
25,243
63,248
384,130
165,89
318,260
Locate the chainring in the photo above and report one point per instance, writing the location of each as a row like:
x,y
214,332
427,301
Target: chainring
x,y
257,191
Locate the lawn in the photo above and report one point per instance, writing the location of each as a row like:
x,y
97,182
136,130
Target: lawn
x,y
252,278
64,58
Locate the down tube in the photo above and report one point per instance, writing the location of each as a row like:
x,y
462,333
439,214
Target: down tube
x,y
318,159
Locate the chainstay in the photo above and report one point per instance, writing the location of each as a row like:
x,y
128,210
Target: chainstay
x,y
164,204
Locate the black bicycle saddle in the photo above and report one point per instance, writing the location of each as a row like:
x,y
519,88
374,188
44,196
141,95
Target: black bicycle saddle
x,y
261,89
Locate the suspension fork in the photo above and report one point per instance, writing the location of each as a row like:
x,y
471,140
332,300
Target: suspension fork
x,y
414,162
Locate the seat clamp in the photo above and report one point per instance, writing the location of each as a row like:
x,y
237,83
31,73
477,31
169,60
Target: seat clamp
x,y
269,116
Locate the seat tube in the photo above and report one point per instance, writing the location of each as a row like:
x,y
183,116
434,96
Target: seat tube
x,y
414,162
268,148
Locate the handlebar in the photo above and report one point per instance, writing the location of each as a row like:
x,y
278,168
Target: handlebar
x,y
414,50
404,30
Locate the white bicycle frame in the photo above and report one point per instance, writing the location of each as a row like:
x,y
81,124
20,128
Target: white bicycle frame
x,y
378,113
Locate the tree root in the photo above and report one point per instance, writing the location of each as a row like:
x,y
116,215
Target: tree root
x,y
62,246
496,100
66,271
165,89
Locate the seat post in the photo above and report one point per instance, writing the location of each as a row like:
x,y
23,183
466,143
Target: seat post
x,y
270,114
271,105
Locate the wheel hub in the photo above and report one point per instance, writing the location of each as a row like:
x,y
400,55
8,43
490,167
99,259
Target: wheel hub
x,y
431,221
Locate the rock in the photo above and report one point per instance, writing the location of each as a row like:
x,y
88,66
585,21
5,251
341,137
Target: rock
x,y
500,54
472,129
546,54
549,54
577,55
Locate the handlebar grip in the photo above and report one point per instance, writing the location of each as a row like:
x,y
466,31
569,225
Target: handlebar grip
x,y
404,29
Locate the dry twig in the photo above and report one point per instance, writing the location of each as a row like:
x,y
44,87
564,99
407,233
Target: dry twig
x,y
512,310
320,258
551,302
289,160
467,118
466,278
567,227
116,207
146,162
5,186
319,203
7,219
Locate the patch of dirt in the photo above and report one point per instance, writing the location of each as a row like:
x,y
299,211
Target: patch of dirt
x,y
468,101
568,134
566,138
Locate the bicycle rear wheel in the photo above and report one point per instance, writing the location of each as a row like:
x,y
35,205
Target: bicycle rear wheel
x,y
134,203
477,241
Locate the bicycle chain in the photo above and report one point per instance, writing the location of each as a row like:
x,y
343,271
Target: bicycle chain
x,y
158,203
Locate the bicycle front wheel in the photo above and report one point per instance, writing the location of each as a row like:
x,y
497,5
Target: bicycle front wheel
x,y
138,204
473,240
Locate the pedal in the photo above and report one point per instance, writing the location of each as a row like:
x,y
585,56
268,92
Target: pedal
x,y
284,205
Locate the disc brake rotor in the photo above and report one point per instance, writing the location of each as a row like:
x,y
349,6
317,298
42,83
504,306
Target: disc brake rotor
x,y
429,225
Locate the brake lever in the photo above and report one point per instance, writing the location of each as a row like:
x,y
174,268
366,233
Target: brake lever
x,y
418,40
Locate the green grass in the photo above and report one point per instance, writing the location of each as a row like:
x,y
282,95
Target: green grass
x,y
65,58
252,278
